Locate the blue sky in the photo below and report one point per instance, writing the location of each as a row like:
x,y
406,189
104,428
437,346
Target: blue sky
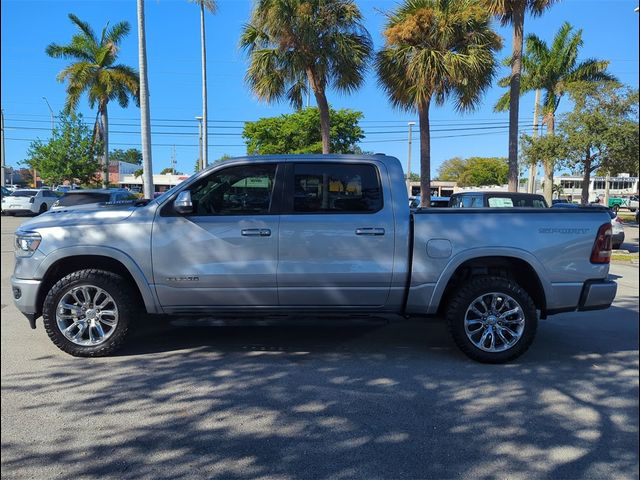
x,y
610,32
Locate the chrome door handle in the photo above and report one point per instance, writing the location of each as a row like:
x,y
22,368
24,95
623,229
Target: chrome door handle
x,y
370,231
256,232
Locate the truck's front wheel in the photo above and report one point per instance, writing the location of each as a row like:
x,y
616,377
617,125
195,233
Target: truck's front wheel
x,y
492,319
87,312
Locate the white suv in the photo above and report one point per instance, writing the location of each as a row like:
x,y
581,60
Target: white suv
x,y
28,201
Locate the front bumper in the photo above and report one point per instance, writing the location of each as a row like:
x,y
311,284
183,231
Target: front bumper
x,y
597,294
25,296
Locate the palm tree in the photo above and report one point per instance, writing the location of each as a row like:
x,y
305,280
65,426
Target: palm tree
x,y
512,12
95,72
555,70
209,5
436,50
292,42
145,116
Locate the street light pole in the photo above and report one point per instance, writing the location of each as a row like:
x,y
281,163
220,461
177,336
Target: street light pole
x,y
411,124
2,147
200,157
50,111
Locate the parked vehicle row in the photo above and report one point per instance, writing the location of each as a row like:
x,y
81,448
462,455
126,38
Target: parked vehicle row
x,y
37,201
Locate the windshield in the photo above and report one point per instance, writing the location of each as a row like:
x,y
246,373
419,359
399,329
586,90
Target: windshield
x,y
24,193
72,199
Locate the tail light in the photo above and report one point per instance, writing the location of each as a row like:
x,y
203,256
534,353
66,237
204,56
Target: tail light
x,y
32,199
601,252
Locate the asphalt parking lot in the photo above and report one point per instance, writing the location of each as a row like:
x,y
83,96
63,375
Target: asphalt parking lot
x,y
386,398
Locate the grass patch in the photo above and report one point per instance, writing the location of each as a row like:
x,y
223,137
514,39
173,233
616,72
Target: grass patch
x,y
627,216
624,257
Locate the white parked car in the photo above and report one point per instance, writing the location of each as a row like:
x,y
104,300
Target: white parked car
x,y
33,201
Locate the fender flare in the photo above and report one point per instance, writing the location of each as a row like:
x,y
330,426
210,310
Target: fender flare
x,y
476,253
144,287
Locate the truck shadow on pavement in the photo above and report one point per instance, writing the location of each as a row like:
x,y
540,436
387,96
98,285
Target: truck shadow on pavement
x,y
368,400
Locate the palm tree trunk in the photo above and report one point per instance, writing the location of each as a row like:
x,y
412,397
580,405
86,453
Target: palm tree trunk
x,y
549,165
586,178
514,95
105,138
425,154
323,108
205,137
325,125
145,120
534,164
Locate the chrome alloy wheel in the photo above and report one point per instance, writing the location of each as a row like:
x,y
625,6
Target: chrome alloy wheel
x,y
87,315
494,322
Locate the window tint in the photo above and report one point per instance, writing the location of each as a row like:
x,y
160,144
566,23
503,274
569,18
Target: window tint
x,y
334,188
246,189
24,193
466,201
71,199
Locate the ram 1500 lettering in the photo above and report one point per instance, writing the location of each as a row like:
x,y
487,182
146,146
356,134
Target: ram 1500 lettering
x,y
319,234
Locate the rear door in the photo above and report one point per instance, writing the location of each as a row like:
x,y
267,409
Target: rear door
x,y
336,235
225,252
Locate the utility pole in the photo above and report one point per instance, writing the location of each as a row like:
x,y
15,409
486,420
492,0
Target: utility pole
x,y
411,124
173,160
534,165
200,157
145,115
2,146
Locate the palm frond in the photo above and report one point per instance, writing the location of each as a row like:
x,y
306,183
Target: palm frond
x,y
84,26
209,5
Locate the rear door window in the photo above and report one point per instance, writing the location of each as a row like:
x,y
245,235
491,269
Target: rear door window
x,y
336,188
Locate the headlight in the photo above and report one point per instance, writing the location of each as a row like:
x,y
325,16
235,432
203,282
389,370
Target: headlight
x,y
27,243
56,203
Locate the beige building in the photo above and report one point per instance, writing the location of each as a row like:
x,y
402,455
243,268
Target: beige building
x,y
438,188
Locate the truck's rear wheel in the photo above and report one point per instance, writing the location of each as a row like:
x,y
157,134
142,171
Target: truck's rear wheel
x,y
492,319
87,313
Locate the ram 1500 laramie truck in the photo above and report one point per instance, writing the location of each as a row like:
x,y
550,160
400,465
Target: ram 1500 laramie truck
x,y
313,235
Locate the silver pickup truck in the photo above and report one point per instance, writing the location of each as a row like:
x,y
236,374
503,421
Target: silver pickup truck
x,y
316,235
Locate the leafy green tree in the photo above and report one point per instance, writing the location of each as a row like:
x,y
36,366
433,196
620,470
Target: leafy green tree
x,y
70,154
512,12
94,71
170,171
551,150
294,45
474,171
437,50
132,155
602,131
554,70
298,132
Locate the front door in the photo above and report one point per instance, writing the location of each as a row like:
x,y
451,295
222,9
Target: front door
x,y
336,236
225,252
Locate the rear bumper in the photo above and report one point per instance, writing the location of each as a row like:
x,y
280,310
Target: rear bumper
x,y
617,238
597,294
25,296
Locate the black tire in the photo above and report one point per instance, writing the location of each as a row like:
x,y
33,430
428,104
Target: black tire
x,y
43,208
460,301
120,291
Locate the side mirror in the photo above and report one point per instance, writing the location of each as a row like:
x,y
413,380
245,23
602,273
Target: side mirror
x,y
182,204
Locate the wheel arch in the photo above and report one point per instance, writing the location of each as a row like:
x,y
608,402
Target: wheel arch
x,y
64,262
526,272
